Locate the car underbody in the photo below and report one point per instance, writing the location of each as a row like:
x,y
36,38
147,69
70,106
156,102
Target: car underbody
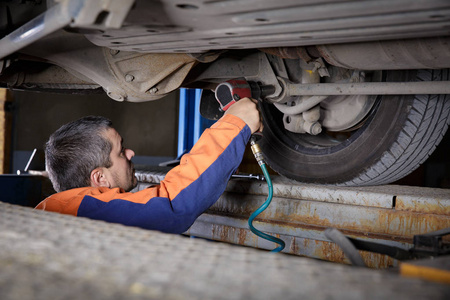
x,y
360,88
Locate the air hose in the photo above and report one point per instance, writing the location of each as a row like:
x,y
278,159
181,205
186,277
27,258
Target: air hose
x,y
260,159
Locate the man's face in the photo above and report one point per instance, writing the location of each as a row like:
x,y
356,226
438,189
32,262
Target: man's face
x,y
121,173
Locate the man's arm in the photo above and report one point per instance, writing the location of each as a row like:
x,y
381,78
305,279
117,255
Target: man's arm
x,y
188,189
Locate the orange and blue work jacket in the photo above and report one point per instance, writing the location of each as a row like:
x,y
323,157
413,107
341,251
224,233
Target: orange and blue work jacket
x,y
185,193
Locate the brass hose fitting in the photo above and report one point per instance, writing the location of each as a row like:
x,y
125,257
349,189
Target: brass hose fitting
x,y
257,152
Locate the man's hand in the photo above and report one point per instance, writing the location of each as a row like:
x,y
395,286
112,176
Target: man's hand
x,y
246,109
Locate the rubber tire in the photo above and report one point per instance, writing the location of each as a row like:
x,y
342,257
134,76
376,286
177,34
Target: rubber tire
x,y
400,134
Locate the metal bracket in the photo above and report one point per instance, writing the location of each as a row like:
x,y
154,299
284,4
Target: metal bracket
x,y
425,245
76,13
101,14
431,243
320,67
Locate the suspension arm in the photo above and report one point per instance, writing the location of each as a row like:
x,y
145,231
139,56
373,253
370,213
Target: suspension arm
x,y
366,88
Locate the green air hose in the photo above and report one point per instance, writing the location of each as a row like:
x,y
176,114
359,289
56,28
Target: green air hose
x,y
260,159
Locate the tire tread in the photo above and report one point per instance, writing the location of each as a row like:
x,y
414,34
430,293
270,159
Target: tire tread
x,y
426,124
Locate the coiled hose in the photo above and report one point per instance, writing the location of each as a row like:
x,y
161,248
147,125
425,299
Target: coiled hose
x,y
260,159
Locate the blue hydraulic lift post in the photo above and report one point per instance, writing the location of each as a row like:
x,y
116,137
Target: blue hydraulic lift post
x,y
198,128
190,123
182,140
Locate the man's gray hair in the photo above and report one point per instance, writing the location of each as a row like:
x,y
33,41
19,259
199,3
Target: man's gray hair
x,y
75,149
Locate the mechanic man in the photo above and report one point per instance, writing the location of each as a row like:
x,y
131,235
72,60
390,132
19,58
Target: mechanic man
x,y
93,174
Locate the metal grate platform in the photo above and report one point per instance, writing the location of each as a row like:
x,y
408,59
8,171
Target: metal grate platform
x,y
51,256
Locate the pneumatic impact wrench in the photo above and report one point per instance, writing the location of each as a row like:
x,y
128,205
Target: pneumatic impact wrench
x,y
227,94
231,91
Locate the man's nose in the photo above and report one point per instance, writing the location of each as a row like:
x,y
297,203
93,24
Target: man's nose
x,y
129,153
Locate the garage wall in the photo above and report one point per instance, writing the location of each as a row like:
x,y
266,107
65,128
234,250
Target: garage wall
x,y
149,128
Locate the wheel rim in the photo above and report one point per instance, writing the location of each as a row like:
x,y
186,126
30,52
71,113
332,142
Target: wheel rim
x,y
325,143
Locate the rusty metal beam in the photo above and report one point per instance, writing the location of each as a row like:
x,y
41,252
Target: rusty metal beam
x,y
299,214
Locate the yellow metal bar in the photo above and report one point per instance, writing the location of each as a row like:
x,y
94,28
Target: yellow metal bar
x,y
425,272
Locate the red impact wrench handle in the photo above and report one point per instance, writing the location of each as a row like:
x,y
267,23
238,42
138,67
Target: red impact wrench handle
x,y
231,91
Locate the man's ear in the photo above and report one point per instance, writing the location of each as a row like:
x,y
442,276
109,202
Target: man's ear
x,y
98,178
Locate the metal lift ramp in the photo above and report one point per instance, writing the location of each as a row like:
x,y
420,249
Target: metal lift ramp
x,y
300,213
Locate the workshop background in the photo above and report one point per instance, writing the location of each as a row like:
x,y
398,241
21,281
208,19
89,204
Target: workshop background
x,y
149,128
